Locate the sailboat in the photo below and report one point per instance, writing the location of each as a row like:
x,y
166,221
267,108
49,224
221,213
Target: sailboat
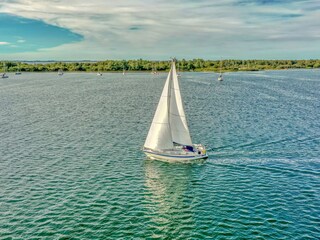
x,y
168,138
18,72
99,73
178,72
4,75
123,71
60,72
220,78
154,70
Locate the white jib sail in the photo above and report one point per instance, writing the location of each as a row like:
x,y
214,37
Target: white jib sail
x,y
169,123
178,122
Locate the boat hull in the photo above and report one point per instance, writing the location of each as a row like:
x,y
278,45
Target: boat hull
x,y
175,157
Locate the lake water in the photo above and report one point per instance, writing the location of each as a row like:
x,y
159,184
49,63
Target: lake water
x,y
71,165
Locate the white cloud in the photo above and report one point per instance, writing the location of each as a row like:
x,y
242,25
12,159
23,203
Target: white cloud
x,y
162,28
4,43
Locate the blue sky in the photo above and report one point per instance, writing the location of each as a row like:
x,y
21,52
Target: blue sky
x,y
23,35
159,29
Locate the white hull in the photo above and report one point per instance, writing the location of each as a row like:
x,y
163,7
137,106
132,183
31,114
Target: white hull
x,y
192,157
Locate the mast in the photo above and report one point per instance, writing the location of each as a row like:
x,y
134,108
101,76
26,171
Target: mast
x,y
173,61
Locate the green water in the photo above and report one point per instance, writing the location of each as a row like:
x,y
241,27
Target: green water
x,y
71,165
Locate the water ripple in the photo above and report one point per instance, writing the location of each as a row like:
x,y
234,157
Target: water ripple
x,y
72,168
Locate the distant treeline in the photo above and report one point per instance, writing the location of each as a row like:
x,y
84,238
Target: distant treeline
x,y
145,65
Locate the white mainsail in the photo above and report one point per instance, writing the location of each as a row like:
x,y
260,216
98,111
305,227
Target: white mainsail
x,y
169,124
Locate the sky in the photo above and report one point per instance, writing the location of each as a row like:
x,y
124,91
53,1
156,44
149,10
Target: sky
x,y
159,29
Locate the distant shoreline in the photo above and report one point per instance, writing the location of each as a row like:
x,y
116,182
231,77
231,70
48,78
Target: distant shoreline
x,y
140,65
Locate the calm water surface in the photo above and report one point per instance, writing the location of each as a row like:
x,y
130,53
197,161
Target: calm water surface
x,y
71,165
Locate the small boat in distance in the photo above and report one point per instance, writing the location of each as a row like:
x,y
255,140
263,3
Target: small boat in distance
x,y
154,70
60,72
220,78
4,75
178,72
18,72
124,71
168,137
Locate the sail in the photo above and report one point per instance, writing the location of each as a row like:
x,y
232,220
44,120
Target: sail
x,y
159,136
178,122
169,124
